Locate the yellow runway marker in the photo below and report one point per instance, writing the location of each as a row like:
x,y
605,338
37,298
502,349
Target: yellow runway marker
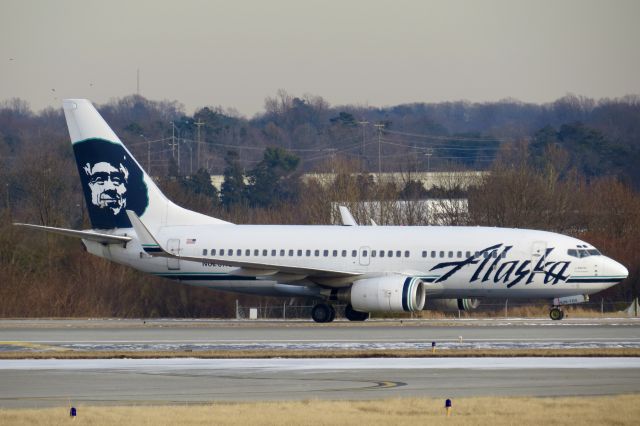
x,y
35,346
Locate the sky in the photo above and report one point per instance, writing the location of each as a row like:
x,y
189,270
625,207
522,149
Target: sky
x,y
377,53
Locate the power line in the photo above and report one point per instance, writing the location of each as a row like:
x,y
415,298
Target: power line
x,y
449,138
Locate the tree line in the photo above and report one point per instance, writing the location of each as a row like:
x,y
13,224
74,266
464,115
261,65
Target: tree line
x,y
567,177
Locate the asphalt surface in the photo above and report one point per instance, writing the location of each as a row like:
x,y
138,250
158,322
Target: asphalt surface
x,y
207,335
41,383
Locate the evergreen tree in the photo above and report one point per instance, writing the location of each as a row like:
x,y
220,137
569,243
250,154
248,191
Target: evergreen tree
x,y
232,190
273,179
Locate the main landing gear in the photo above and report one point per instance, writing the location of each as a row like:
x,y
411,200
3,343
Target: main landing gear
x,y
323,312
556,313
353,315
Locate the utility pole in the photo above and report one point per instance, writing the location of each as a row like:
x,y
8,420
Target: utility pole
x,y
198,125
363,123
379,126
8,200
148,153
173,140
429,153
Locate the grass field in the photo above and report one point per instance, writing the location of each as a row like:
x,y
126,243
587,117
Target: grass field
x,y
601,410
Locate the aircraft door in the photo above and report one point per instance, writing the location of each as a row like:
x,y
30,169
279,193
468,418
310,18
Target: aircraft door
x,y
538,255
173,245
365,252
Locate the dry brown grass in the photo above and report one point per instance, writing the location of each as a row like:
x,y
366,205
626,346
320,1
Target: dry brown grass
x,y
339,353
597,410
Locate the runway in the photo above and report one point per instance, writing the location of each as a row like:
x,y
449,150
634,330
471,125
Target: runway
x,y
42,383
194,335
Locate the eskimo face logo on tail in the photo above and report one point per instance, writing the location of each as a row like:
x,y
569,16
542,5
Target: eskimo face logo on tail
x,y
112,183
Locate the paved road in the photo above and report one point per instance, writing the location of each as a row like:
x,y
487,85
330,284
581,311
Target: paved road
x,y
200,335
41,383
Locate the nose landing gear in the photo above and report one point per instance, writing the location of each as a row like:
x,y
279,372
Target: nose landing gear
x,y
556,313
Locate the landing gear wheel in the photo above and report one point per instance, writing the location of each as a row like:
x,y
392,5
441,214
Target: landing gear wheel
x,y
556,314
353,315
323,312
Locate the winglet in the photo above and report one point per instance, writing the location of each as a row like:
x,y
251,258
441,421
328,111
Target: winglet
x,y
147,240
347,218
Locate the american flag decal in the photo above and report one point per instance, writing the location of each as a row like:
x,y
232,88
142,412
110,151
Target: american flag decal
x,y
191,240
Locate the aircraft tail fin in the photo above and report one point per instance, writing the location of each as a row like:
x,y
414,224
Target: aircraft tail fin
x,y
113,181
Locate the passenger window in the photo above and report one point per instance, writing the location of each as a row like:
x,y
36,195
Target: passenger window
x,y
335,253
230,252
325,253
381,253
433,254
213,252
373,253
317,252
354,253
495,254
273,252
390,253
441,254
308,253
503,254
477,254
256,252
290,252
450,254
221,252
247,252
468,254
365,253
459,254
344,253
398,253
406,253
281,252
204,252
264,252
424,253
299,253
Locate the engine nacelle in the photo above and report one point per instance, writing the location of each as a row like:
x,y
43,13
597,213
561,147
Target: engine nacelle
x,y
393,293
452,305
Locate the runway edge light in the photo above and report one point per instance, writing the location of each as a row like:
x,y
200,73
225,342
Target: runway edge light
x,y
447,406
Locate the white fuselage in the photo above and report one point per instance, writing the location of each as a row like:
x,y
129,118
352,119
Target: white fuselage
x,y
454,262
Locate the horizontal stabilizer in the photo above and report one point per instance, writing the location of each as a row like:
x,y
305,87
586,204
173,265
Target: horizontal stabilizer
x,y
85,235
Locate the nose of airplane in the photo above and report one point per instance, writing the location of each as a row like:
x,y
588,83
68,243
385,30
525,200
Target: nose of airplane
x,y
615,269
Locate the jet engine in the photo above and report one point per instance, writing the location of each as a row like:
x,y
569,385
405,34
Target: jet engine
x,y
392,293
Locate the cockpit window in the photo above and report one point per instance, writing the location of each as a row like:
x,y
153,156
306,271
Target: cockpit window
x,y
580,252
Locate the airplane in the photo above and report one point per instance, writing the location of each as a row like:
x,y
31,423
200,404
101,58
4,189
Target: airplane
x,y
369,268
